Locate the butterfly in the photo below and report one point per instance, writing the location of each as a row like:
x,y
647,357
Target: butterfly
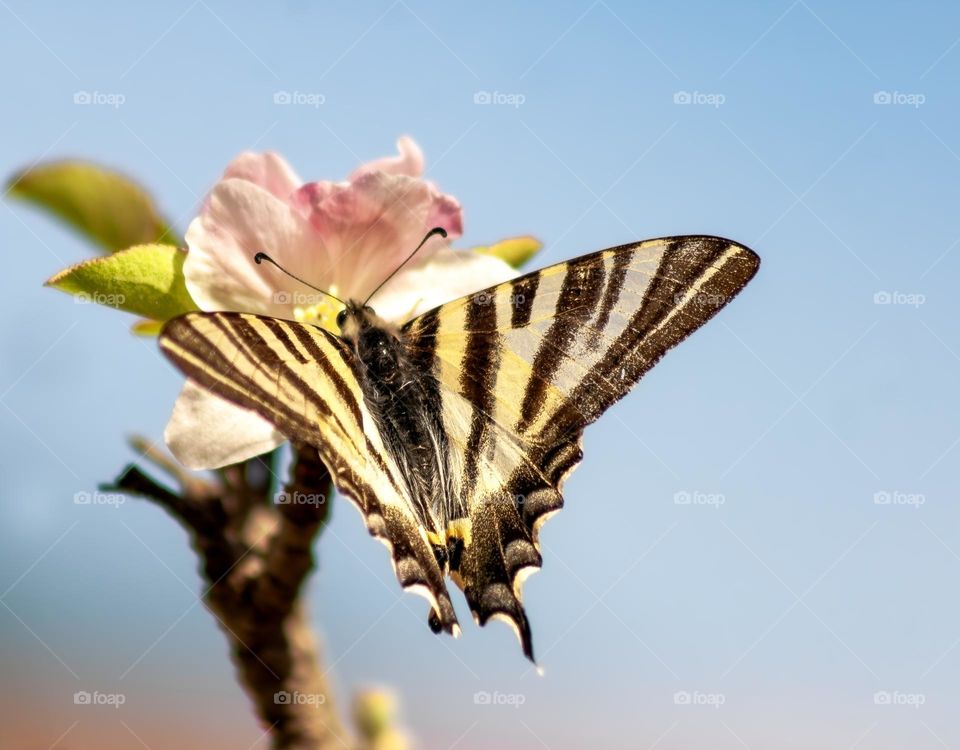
x,y
454,433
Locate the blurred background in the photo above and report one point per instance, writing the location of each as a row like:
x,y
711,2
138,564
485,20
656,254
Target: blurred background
x,y
761,549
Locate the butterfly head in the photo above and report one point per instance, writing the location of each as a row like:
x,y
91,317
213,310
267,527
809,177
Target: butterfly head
x,y
356,319
375,341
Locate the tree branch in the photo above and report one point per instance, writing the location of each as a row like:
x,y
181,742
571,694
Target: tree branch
x,y
255,555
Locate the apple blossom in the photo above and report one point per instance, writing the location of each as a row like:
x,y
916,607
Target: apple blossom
x,y
345,237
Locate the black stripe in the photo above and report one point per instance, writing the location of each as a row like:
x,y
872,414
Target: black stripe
x,y
682,264
420,338
185,335
523,293
245,333
382,465
611,295
638,348
305,337
277,328
307,432
581,288
478,378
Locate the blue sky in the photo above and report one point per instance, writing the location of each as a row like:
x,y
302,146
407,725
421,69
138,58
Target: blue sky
x,y
822,135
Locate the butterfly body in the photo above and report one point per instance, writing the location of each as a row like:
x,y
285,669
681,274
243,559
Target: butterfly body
x,y
454,433
403,400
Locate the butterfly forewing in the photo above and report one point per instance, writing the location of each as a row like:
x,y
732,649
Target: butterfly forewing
x,y
303,380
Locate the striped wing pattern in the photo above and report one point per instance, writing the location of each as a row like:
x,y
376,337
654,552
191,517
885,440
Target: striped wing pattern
x,y
521,369
304,380
526,365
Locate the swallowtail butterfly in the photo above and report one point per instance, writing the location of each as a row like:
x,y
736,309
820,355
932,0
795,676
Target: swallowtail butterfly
x,y
454,433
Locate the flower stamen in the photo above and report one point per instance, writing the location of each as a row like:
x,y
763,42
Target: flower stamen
x,y
323,313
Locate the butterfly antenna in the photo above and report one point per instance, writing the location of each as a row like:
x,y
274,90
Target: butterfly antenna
x,y
436,230
260,257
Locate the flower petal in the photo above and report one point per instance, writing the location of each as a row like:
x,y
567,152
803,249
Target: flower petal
x,y
206,432
371,225
449,274
409,162
268,170
238,221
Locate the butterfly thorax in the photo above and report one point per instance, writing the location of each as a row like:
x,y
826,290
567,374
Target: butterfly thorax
x,y
404,402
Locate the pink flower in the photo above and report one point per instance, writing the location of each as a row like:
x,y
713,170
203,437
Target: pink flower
x,y
345,237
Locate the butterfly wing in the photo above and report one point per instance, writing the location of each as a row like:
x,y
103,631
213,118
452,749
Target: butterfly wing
x,y
304,381
526,365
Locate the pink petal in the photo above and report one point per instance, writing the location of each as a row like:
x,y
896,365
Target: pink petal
x,y
372,224
409,162
449,274
268,170
239,220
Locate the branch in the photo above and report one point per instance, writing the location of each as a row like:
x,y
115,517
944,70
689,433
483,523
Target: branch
x,y
254,557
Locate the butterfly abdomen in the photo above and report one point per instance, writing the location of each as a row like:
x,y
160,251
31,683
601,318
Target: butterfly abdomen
x,y
404,402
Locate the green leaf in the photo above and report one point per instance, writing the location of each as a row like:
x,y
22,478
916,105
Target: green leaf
x,y
106,207
146,280
516,250
146,327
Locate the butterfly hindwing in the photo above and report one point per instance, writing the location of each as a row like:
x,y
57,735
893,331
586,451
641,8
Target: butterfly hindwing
x,y
304,381
525,366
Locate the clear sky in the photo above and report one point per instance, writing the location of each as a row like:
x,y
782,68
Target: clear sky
x,y
821,134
